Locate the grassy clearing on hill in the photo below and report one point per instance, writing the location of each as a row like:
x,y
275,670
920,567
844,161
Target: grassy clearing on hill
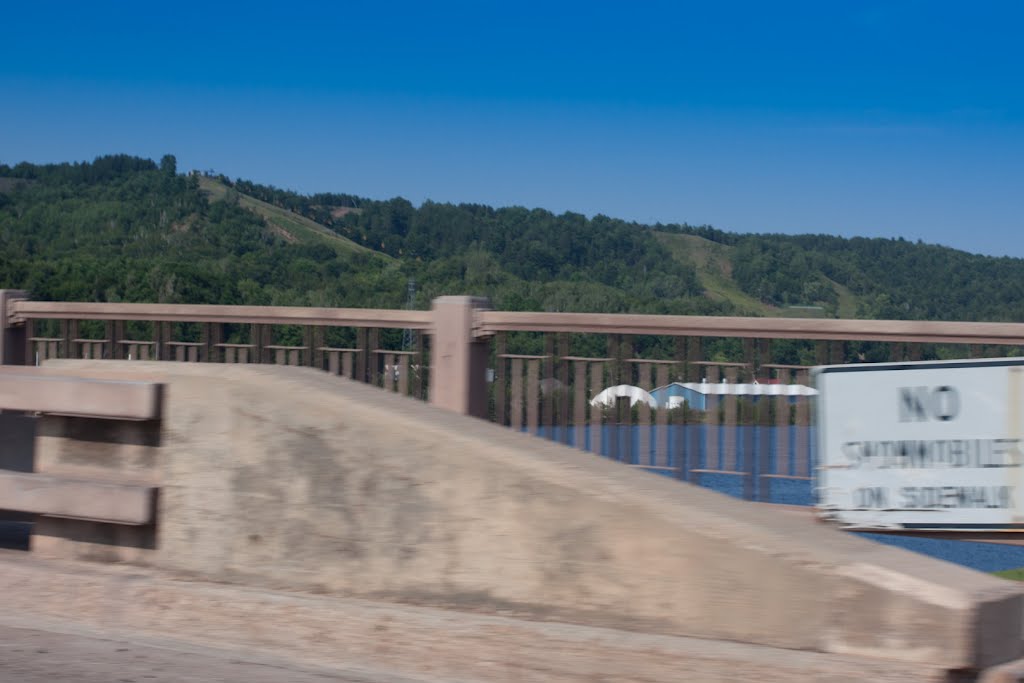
x,y
848,301
287,225
713,262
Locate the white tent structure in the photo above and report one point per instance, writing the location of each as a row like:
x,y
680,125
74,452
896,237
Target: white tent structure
x,y
755,389
609,396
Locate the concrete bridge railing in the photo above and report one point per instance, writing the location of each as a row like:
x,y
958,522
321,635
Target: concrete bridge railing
x,y
243,471
47,490
282,477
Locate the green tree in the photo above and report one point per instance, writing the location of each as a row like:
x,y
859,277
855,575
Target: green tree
x,y
169,165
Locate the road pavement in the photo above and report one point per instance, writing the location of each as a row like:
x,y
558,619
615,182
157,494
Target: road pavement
x,y
35,655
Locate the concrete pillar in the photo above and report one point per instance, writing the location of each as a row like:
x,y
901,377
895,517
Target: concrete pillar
x,y
458,361
12,338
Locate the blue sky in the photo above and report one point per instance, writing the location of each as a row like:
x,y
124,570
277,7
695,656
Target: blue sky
x,y
894,119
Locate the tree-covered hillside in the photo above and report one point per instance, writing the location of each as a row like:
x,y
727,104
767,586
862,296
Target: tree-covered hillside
x,y
892,279
127,229
749,274
522,259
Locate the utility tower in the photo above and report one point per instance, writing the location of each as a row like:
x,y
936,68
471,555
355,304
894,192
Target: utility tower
x,y
408,338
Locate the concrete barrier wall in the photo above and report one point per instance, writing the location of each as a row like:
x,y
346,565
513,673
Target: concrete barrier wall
x,y
103,450
286,477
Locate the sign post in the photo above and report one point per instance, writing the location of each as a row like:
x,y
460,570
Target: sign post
x,y
934,445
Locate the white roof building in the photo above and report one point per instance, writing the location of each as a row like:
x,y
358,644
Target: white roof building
x,y
609,396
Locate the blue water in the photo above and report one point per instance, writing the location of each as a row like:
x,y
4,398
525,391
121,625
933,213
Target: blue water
x,y
681,449
985,557
624,441
690,446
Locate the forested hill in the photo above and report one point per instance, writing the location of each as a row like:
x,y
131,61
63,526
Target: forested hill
x,y
128,229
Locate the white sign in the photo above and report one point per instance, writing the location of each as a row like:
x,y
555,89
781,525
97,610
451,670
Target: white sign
x,y
930,445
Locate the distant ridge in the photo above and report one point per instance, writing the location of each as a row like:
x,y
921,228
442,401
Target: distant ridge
x,y
125,228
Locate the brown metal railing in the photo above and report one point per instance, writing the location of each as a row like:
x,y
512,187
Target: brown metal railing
x,y
24,310
728,437
897,331
399,370
547,367
749,445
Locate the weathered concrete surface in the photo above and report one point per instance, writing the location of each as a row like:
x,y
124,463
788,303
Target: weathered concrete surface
x,y
457,357
79,498
49,653
287,477
25,389
12,338
388,642
111,451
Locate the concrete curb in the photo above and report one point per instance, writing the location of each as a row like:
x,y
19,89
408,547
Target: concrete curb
x,y
414,642
1011,672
